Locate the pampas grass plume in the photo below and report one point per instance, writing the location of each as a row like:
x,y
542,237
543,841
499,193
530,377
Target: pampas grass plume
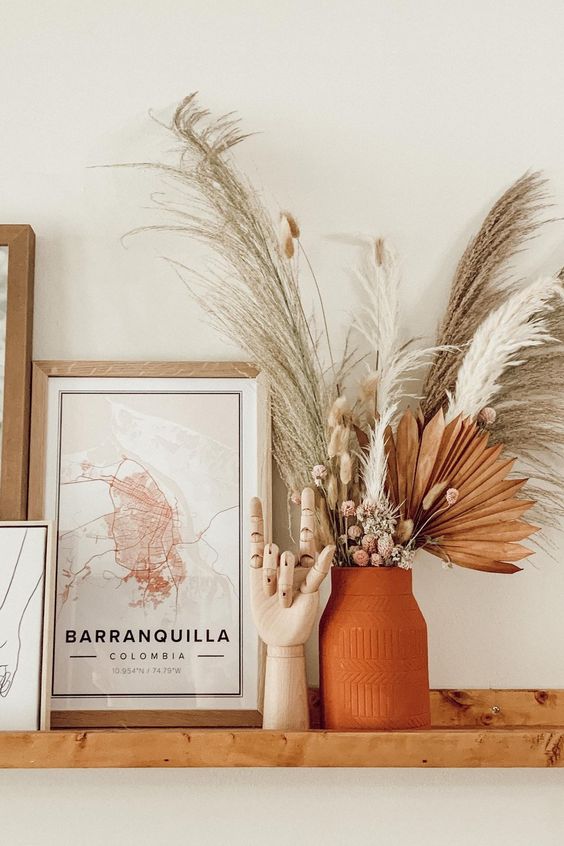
x,y
517,324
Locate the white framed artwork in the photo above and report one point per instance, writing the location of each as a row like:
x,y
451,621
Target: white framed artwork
x,y
147,471
25,625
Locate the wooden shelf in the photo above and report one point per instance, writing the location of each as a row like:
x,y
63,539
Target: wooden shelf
x,y
513,747
473,729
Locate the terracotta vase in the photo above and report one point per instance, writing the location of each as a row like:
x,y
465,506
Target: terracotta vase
x,y
373,652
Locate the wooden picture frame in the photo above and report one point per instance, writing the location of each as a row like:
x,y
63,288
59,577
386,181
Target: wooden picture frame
x,y
20,242
60,372
27,588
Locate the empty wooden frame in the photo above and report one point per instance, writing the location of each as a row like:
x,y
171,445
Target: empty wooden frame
x,y
17,244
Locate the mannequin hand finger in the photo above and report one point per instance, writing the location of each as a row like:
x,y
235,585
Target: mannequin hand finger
x,y
271,552
286,579
307,528
257,532
319,570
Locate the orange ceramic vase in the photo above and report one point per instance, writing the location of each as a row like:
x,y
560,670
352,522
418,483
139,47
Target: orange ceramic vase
x,y
373,652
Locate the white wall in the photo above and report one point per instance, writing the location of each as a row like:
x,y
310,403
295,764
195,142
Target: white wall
x,y
399,118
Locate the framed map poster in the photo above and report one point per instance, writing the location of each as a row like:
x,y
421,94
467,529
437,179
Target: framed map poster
x,y
147,471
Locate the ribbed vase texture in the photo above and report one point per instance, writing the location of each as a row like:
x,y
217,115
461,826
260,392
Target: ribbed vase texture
x,y
373,652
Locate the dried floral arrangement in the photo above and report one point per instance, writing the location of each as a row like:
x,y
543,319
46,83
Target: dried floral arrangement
x,y
439,475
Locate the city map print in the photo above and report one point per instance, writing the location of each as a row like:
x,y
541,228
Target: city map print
x,y
148,552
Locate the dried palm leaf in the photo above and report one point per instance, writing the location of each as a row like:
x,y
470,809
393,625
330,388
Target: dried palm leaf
x,y
477,523
431,438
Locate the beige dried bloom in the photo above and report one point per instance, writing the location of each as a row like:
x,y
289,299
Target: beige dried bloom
x,y
346,468
332,491
339,410
339,441
292,223
404,531
285,236
433,494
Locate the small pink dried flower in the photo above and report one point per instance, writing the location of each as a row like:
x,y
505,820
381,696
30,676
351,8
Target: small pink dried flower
x,y
319,472
348,508
354,532
487,416
451,496
361,558
376,560
370,543
385,545
296,498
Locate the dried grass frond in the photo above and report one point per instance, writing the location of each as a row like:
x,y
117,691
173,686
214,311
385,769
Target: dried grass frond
x,y
530,417
480,281
252,294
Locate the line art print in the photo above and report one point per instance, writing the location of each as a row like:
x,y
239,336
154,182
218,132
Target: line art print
x,y
149,546
23,555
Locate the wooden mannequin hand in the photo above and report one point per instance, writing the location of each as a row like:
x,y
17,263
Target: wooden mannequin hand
x,y
284,597
284,603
